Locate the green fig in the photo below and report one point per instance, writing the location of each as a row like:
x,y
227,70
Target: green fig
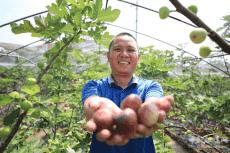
x,y
26,105
198,35
193,8
31,81
164,12
36,113
40,65
49,77
205,51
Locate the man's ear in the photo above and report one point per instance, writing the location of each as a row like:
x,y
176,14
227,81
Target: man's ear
x,y
108,56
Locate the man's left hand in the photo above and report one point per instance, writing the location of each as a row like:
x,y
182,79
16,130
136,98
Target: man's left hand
x,y
163,106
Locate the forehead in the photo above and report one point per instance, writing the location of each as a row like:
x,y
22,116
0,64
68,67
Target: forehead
x,y
124,41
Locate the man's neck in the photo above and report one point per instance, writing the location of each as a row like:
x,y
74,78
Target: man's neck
x,y
122,80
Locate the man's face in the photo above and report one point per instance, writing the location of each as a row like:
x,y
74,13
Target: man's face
x,y
124,55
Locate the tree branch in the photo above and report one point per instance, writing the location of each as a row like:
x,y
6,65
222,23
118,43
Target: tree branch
x,y
51,61
197,21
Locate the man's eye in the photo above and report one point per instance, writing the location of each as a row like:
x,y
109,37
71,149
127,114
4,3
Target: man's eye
x,y
131,50
117,49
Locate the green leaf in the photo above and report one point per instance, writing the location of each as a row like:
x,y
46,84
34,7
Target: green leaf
x,y
40,21
9,119
77,18
105,39
67,29
31,90
55,9
73,2
5,101
108,15
23,28
59,2
97,9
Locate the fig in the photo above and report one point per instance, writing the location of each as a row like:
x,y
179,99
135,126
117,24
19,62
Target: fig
x,y
148,114
132,101
40,65
26,105
193,8
205,51
31,81
36,113
183,121
164,12
198,35
49,77
127,122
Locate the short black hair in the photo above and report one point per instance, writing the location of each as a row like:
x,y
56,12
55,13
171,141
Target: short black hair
x,y
121,34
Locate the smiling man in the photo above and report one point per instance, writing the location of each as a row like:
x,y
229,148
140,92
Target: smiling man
x,y
102,99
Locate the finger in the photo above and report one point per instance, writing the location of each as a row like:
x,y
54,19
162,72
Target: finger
x,y
169,98
103,118
144,130
103,135
162,116
91,104
132,101
114,140
124,142
163,104
91,125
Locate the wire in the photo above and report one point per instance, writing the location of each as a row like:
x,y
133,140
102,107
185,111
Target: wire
x,y
169,45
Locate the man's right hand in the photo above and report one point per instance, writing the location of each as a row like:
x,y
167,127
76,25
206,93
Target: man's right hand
x,y
100,114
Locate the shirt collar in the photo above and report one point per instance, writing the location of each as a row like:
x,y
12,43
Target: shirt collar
x,y
133,81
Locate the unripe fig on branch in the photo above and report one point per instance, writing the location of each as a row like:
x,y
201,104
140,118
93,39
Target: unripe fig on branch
x,y
198,35
31,81
193,8
26,105
164,12
36,113
205,51
40,65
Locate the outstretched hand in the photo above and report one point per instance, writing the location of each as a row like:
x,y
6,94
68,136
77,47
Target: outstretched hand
x,y
101,112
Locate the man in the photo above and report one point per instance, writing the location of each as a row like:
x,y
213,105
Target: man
x,y
105,96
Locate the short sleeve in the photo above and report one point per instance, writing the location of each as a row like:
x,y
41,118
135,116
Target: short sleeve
x,y
90,88
154,89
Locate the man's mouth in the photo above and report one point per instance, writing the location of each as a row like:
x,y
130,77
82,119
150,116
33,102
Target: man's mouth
x,y
124,63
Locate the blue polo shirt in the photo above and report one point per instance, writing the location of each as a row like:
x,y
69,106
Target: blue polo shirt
x,y
108,88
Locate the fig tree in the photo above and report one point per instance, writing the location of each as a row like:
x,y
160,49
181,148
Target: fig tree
x,y
31,81
36,113
26,105
205,51
164,12
198,35
40,65
193,8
